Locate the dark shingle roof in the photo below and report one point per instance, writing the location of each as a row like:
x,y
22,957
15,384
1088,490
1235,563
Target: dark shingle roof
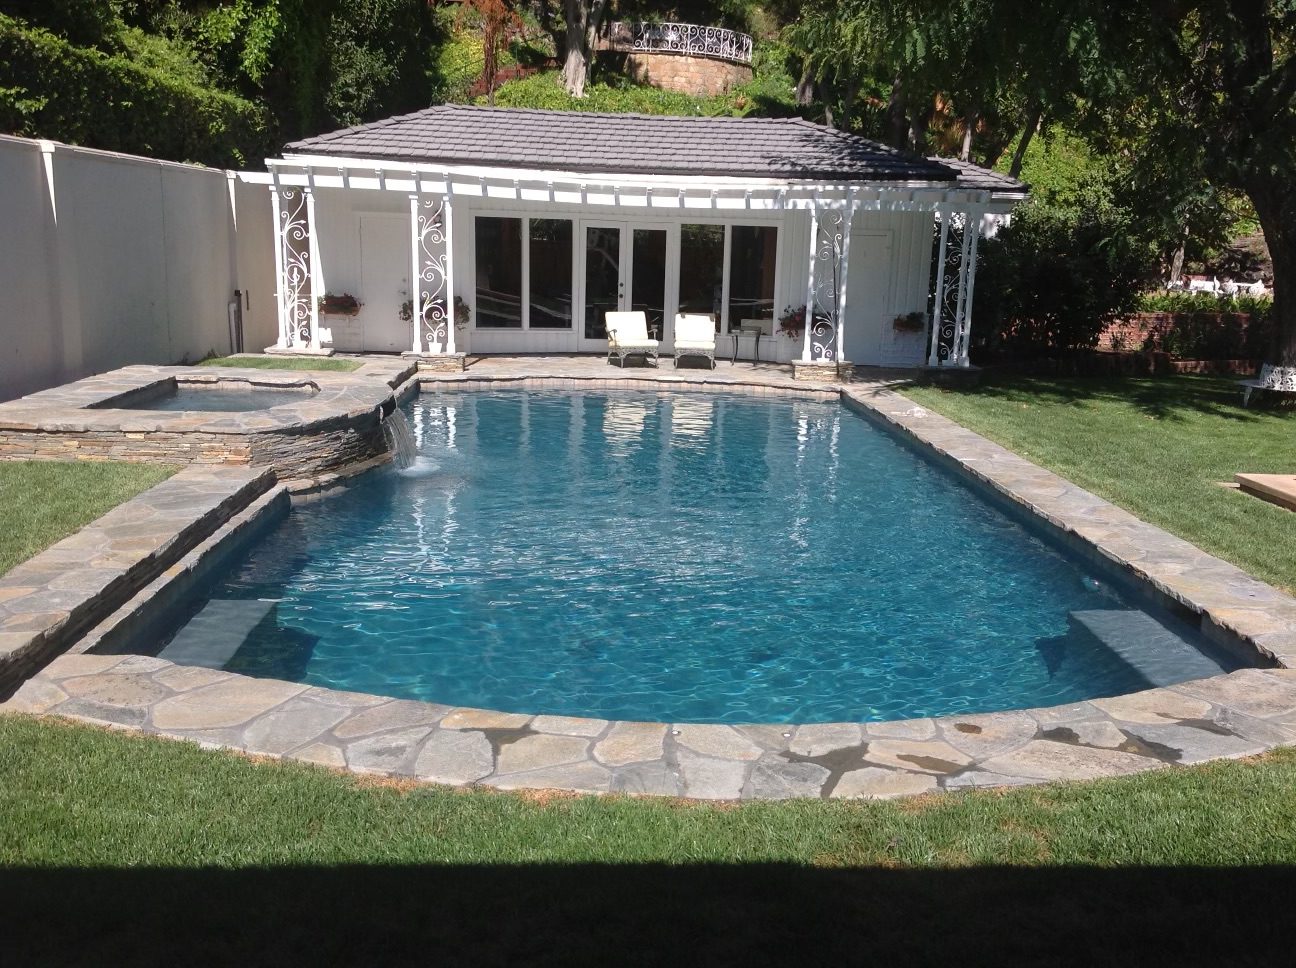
x,y
637,143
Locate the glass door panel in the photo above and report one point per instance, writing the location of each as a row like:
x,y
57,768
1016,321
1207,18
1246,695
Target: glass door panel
x,y
648,278
603,279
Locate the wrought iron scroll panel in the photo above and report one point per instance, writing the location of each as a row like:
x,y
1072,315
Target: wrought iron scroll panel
x,y
692,39
945,316
434,314
824,324
294,239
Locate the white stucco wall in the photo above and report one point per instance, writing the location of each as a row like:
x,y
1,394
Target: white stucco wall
x,y
107,260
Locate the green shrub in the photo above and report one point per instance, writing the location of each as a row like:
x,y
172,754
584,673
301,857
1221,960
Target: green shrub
x,y
1202,302
1054,279
99,100
544,90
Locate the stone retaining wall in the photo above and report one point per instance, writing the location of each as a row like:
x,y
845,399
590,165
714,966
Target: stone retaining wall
x,y
698,76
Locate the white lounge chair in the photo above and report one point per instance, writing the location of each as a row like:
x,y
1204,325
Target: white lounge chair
x,y
628,333
694,336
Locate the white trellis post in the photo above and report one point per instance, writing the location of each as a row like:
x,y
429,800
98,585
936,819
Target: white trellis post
x,y
280,310
810,286
969,233
845,271
965,330
416,317
316,275
449,270
933,356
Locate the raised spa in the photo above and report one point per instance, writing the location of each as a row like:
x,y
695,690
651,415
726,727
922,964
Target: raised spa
x,y
224,396
676,557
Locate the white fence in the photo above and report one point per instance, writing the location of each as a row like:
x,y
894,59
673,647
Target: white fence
x,y
109,259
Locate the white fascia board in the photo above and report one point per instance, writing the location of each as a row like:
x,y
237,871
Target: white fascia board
x,y
611,188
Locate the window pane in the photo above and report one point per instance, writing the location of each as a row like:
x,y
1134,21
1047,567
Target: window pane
x,y
551,273
751,274
499,272
701,270
648,290
602,278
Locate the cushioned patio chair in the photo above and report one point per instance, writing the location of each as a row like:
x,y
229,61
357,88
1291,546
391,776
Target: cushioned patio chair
x,y
695,336
627,333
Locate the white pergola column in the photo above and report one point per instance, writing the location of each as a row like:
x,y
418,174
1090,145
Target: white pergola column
x,y
316,274
938,304
810,285
964,338
416,317
845,272
281,311
449,270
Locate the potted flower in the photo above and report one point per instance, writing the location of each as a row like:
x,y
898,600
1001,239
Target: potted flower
x,y
343,305
914,322
792,322
462,312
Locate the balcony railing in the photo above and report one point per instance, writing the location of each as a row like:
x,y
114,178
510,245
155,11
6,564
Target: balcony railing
x,y
671,38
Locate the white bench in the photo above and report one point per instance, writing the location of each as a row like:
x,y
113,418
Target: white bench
x,y
1272,379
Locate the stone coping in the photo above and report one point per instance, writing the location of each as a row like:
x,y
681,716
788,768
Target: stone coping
x,y
48,601
79,407
1237,714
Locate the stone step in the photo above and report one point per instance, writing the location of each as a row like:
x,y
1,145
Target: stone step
x,y
213,636
1157,652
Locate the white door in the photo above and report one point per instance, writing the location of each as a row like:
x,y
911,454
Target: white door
x,y
623,267
384,283
868,298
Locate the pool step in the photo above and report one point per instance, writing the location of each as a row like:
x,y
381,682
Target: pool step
x,y
1156,652
212,637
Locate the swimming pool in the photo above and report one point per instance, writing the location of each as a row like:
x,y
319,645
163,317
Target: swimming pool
x,y
676,557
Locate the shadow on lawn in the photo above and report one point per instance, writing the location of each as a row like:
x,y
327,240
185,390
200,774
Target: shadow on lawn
x,y
1164,398
647,914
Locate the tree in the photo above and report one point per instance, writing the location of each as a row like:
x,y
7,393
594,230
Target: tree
x,y
1211,85
499,24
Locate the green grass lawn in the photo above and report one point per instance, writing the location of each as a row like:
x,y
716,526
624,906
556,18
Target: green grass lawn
x,y
120,849
283,362
42,502
1155,446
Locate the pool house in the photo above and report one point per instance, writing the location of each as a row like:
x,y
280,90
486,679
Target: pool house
x,y
494,230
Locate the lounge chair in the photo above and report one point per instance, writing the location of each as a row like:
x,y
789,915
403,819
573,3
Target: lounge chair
x,y
694,336
628,333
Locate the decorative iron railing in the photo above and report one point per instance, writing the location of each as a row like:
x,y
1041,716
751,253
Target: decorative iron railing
x,y
671,38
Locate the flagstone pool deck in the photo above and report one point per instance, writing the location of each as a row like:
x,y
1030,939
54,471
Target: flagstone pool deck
x,y
1238,714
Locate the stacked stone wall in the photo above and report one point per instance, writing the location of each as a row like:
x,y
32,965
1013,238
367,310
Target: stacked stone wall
x,y
684,74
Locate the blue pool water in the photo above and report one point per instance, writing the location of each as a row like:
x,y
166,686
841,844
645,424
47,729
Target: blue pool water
x,y
677,557
219,400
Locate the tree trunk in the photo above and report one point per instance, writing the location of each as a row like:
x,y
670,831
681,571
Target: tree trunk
x,y
805,89
582,18
969,125
1276,208
1033,118
848,103
1176,263
896,116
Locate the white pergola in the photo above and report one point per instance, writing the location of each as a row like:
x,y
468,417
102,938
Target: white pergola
x,y
963,214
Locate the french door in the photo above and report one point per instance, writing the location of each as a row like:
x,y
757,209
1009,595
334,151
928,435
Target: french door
x,y
623,268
